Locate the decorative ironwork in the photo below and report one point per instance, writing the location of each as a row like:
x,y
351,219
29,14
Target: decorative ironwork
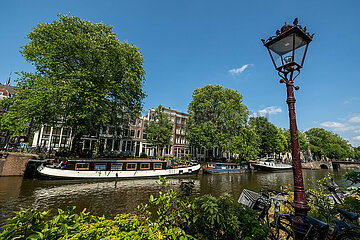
x,y
286,28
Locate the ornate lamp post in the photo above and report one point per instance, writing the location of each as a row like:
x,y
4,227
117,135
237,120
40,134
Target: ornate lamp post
x,y
287,51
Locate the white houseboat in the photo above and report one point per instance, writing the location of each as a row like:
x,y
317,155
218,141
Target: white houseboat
x,y
113,169
269,164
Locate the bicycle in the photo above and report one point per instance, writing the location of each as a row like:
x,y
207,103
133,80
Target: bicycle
x,y
281,224
338,228
262,203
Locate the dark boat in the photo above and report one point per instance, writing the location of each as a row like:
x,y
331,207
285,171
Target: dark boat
x,y
214,167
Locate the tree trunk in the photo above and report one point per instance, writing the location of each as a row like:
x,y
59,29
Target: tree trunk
x,y
164,148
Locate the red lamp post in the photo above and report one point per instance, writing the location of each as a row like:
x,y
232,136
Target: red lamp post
x,y
287,51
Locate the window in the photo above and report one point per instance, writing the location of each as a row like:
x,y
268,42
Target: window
x,y
144,136
158,166
56,131
100,166
138,134
139,123
86,144
145,166
116,145
46,130
131,166
132,133
66,132
116,166
126,132
82,166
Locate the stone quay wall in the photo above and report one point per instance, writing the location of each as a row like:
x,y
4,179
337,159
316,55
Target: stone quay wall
x,y
317,165
14,164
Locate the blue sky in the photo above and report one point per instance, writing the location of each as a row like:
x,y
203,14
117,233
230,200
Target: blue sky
x,y
189,44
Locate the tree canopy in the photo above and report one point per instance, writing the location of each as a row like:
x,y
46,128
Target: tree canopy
x,y
216,115
304,146
322,142
84,77
159,131
272,138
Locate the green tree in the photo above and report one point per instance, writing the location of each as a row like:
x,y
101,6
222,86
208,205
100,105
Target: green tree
x,y
304,146
159,131
246,144
357,153
84,78
322,142
216,115
271,138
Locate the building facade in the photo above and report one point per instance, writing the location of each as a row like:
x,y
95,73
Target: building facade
x,y
132,141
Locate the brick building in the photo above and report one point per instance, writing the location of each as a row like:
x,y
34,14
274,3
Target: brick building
x,y
132,141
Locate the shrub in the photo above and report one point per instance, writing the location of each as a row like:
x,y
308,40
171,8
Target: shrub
x,y
176,217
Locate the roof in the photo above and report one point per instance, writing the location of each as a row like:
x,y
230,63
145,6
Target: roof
x,y
10,89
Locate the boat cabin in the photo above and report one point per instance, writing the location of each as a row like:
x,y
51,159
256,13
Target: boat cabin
x,y
113,165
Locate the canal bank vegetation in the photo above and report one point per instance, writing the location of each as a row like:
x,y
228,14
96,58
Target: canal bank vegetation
x,y
322,202
173,215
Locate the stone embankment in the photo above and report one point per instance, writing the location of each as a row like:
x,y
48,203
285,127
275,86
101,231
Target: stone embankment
x,y
13,163
317,165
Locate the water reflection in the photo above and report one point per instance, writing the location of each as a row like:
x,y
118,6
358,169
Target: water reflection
x,y
112,197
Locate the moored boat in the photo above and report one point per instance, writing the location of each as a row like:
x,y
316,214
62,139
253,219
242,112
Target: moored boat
x,y
113,169
270,164
214,167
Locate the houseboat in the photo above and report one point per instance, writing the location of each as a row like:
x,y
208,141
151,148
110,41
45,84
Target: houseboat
x,y
113,169
215,167
269,164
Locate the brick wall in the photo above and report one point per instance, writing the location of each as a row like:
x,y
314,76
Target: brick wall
x,y
14,164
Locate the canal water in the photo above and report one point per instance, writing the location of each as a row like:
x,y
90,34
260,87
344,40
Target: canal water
x,y
112,197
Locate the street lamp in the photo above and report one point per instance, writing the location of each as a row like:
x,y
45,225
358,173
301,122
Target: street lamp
x,y
287,51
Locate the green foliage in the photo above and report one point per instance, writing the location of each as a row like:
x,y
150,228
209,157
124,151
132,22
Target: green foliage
x,y
352,203
33,224
357,153
326,143
177,217
216,115
84,77
353,177
159,131
271,139
246,144
304,146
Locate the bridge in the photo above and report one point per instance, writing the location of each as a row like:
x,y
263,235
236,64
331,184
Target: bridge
x,y
336,164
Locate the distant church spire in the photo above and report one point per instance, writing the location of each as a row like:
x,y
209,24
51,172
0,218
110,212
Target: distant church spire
x,y
8,81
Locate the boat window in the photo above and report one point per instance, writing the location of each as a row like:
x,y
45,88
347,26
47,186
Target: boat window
x,y
82,166
100,166
158,166
131,166
144,166
116,166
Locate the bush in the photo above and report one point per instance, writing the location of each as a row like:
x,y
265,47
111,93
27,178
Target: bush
x,y
176,217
